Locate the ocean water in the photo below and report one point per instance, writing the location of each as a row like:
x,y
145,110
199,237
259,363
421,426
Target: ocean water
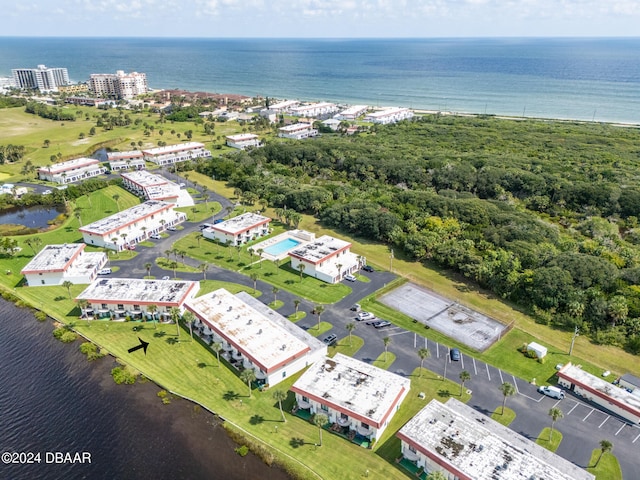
x,y
582,79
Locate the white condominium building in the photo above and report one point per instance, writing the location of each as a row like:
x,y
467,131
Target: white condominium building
x,y
119,85
176,153
133,159
71,171
389,115
314,109
352,112
41,78
326,258
131,226
238,230
55,264
297,131
150,186
243,141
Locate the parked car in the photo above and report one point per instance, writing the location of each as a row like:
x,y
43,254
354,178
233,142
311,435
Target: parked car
x,y
206,225
166,277
182,184
365,316
47,192
220,220
356,307
131,247
155,236
104,271
553,392
368,268
172,229
455,355
381,324
350,277
330,339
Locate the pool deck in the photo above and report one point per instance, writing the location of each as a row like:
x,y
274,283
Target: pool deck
x,y
299,236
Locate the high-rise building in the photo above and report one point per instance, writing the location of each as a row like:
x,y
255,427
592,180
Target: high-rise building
x,y
118,85
41,78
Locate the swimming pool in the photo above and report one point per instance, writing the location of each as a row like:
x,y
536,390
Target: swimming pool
x,y
281,247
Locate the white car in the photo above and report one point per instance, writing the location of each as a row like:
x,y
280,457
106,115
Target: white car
x,y
155,236
166,277
104,271
365,316
350,277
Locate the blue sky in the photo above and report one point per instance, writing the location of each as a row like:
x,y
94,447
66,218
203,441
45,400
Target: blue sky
x,y
320,18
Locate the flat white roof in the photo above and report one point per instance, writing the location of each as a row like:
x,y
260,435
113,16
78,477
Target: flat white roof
x,y
482,448
256,335
125,217
241,223
296,127
114,156
618,395
138,291
320,249
242,137
353,387
312,106
53,258
284,104
354,110
387,112
87,264
69,165
180,147
144,178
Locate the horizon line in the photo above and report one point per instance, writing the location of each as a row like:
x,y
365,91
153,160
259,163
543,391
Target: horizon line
x,y
330,38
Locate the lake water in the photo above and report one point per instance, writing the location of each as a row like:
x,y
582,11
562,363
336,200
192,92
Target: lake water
x,y
31,217
53,400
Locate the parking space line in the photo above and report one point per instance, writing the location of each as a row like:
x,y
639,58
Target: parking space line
x,y
501,379
620,429
488,374
437,350
588,414
637,437
475,368
462,361
572,408
515,384
605,421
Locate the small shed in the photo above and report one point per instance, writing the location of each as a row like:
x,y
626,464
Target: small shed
x,y
538,349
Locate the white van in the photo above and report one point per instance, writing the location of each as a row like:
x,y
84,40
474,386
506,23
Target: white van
x,y
553,392
104,271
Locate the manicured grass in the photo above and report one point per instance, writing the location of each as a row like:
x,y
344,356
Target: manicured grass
x,y
324,327
608,468
362,278
200,211
543,439
296,317
506,417
384,361
165,263
276,305
343,346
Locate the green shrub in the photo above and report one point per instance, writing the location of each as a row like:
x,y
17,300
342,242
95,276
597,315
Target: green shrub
x,y
123,375
166,401
242,451
91,351
162,393
40,316
64,335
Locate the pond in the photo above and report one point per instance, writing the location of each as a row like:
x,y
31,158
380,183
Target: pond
x,y
31,217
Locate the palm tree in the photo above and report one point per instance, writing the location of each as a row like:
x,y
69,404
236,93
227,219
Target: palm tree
x,y
464,377
507,390
319,309
280,396
386,341
198,238
260,256
296,303
203,267
605,446
254,276
148,266
217,347
152,309
116,197
188,318
67,284
78,214
175,317
83,305
423,353
556,414
301,267
173,266
275,291
248,376
350,328
320,420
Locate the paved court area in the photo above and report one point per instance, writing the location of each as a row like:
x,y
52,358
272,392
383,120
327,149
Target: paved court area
x,y
456,321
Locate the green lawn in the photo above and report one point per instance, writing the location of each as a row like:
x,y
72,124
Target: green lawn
x,y
165,263
384,361
296,317
343,346
543,439
316,332
506,417
200,211
608,468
